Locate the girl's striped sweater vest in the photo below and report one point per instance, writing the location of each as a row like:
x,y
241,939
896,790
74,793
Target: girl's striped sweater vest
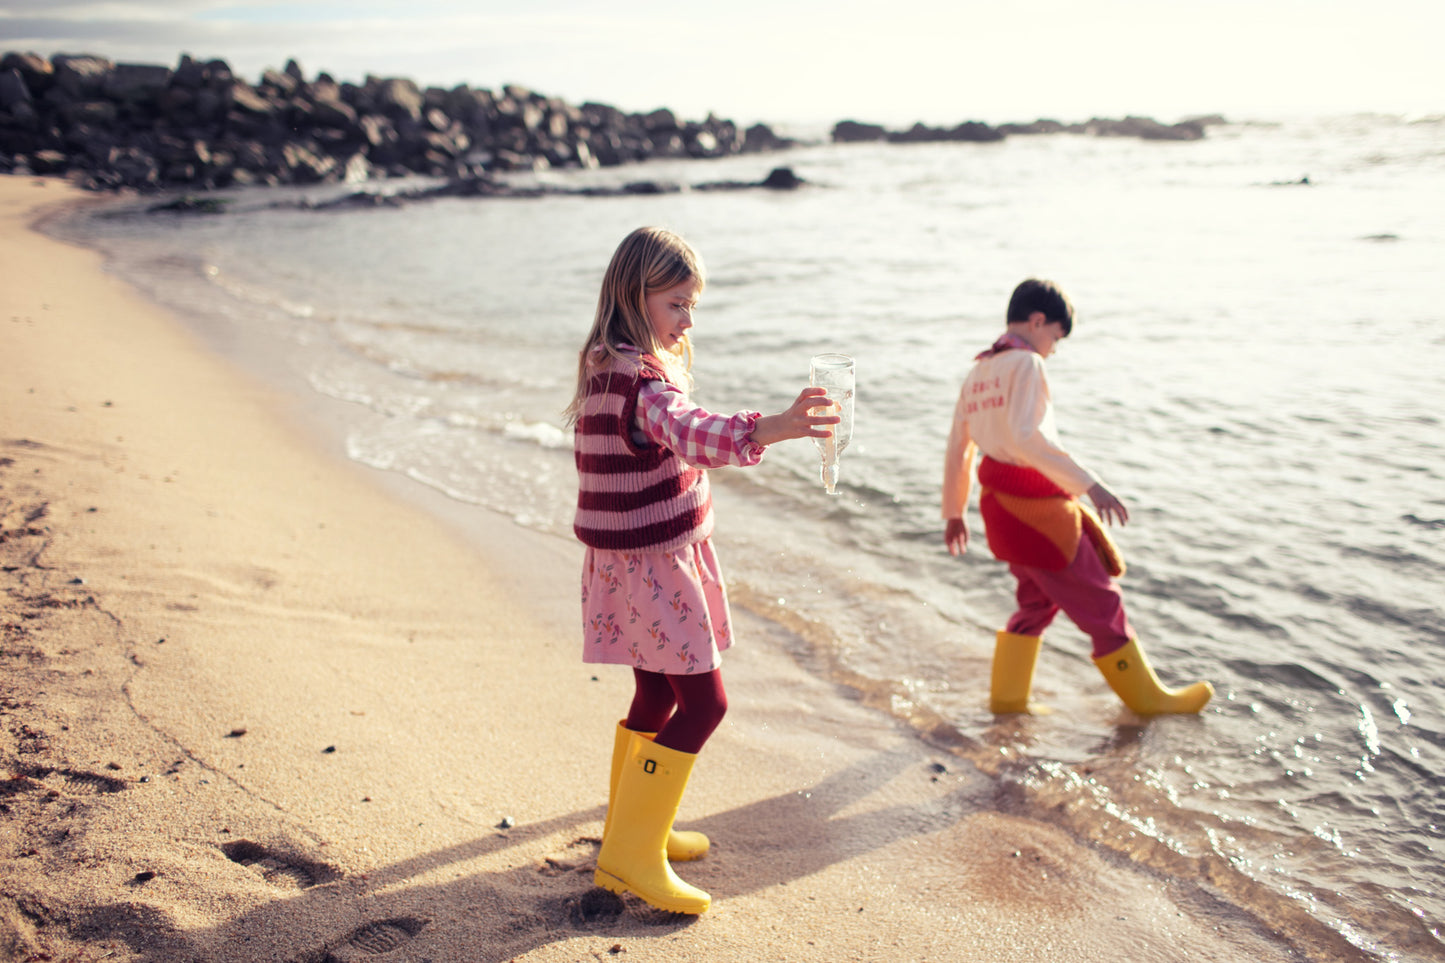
x,y
632,498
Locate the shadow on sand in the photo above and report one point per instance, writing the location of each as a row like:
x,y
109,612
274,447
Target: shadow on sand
x,y
546,895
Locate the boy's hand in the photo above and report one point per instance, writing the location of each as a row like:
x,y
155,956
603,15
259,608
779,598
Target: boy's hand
x,y
955,536
1110,508
799,421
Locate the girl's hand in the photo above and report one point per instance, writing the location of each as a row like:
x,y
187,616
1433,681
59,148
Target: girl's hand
x,y
798,421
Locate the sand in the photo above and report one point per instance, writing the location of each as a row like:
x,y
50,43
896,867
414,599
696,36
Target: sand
x,y
258,705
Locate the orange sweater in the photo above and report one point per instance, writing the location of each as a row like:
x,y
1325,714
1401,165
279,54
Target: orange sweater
x,y
1031,521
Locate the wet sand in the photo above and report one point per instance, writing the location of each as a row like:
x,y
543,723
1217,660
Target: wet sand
x,y
259,704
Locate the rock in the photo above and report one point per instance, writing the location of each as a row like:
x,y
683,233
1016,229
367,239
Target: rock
x,y
36,71
49,162
199,126
660,120
100,113
246,99
334,113
399,99
975,132
782,179
307,166
1144,127
971,131
13,89
1036,127
852,132
778,179
282,85
134,168
81,76
136,82
760,138
650,187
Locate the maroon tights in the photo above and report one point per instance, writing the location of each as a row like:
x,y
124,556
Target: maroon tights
x,y
699,701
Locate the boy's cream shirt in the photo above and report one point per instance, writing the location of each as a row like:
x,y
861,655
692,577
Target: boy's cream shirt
x,y
1005,408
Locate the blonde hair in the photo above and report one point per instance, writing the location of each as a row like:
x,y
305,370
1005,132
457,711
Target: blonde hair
x,y
648,260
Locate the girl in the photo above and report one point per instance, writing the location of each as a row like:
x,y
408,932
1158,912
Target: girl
x,y
652,590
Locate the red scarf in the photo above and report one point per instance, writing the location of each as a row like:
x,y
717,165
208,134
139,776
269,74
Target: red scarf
x,y
1006,342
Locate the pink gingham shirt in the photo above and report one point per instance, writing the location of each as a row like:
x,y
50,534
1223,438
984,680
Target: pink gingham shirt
x,y
700,438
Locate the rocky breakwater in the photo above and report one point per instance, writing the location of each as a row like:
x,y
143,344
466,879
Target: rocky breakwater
x,y
972,131
110,125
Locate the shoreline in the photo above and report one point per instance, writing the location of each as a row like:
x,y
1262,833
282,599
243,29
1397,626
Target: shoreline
x,y
295,695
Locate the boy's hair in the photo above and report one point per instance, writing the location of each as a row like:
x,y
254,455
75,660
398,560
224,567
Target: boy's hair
x,y
648,260
1035,295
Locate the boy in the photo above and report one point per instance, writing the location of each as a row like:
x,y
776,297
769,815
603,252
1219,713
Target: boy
x,y
1029,486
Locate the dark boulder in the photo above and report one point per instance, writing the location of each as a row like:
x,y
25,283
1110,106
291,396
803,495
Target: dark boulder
x,y
13,89
853,132
760,138
660,120
334,113
98,113
651,187
198,125
248,100
36,71
49,162
190,204
782,179
279,84
1144,127
305,164
1036,127
975,132
82,76
136,82
778,179
970,131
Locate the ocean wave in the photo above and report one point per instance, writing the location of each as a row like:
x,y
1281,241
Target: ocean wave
x,y
539,433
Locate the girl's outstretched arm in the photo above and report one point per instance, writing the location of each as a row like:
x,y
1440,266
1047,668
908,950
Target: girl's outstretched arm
x,y
798,421
699,437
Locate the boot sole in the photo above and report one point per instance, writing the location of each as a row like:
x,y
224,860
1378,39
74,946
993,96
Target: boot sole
x,y
615,884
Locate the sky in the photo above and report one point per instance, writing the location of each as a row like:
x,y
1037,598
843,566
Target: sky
x,y
811,61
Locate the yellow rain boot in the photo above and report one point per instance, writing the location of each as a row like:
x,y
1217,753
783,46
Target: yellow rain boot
x,y
1013,672
634,852
682,846
1129,675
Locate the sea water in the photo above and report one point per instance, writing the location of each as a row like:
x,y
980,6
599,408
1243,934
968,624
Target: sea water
x,y
1257,369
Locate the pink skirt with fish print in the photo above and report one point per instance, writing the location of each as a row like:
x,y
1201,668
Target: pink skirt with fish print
x,y
659,611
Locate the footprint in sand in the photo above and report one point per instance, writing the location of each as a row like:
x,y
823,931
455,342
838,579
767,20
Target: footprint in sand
x,y
76,781
90,782
372,939
578,857
280,869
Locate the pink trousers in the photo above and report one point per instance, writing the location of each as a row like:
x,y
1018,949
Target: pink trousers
x,y
1088,595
